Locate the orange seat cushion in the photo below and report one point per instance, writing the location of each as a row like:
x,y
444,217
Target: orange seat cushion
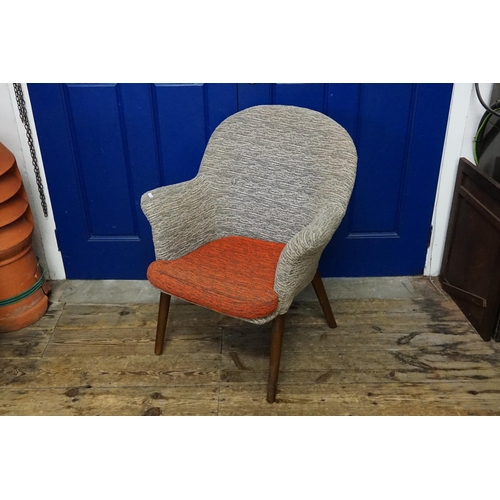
x,y
232,275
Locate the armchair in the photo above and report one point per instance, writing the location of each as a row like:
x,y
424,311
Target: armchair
x,y
245,236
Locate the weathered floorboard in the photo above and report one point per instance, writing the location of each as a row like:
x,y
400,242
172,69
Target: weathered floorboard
x,y
129,341
107,371
364,337
359,399
80,316
355,376
151,401
32,340
354,358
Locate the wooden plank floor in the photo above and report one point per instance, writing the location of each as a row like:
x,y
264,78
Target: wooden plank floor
x,y
405,356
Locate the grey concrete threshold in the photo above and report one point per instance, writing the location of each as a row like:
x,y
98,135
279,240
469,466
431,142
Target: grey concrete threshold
x,y
141,291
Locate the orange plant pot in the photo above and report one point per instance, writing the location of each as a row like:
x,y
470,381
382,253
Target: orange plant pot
x,y
23,291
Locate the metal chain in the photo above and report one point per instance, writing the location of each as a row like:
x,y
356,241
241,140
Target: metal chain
x,y
23,114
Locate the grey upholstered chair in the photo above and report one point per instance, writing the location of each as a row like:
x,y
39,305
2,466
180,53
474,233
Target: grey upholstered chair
x,y
244,237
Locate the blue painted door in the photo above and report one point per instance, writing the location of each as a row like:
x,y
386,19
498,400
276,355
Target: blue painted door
x,y
105,145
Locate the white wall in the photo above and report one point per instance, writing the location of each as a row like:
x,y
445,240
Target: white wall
x,y
13,136
465,113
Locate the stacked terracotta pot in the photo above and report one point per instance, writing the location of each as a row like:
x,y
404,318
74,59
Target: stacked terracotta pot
x,y
23,290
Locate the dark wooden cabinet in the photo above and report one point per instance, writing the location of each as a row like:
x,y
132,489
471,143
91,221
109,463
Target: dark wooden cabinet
x,y
471,261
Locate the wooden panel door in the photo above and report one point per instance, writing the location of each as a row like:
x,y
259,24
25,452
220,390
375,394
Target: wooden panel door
x,y
104,145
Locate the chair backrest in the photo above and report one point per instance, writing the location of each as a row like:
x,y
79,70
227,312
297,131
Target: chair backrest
x,y
272,168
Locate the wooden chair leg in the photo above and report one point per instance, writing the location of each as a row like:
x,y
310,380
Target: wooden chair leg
x,y
319,288
162,322
275,356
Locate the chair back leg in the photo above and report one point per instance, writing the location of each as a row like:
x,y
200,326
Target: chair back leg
x,y
162,322
319,288
275,356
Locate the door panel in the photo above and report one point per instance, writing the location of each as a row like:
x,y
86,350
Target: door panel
x,y
381,142
105,145
180,125
305,95
103,184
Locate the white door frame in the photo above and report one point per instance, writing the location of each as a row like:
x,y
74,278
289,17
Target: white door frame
x,y
463,120
44,237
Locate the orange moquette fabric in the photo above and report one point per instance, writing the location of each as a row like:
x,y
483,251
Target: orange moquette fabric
x,y
232,275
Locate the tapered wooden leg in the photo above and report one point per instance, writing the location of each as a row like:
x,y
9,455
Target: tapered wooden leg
x,y
162,322
319,288
274,358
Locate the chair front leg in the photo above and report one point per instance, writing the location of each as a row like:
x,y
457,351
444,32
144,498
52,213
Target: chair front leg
x,y
319,288
162,322
275,356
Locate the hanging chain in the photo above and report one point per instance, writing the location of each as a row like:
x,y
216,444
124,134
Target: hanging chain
x,y
23,114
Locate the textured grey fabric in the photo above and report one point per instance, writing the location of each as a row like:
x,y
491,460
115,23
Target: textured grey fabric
x,y
182,217
277,173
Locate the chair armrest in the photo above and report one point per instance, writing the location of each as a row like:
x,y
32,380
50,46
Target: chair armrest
x,y
299,259
182,217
